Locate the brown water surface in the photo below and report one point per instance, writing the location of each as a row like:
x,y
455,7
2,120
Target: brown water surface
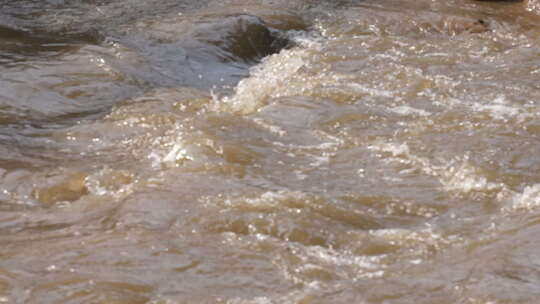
x,y
255,151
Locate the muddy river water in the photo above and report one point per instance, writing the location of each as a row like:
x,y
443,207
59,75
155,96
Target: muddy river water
x,y
269,151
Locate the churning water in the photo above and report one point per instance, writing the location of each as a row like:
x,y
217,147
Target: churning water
x,y
259,151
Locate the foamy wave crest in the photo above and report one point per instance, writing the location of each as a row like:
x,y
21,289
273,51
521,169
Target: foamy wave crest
x,y
365,266
265,80
111,182
170,154
466,178
456,175
421,242
409,111
278,75
499,109
528,199
270,201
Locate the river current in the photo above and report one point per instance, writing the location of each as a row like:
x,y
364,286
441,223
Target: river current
x,y
269,151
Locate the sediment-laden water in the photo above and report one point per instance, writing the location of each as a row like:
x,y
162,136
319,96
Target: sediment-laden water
x,y
256,151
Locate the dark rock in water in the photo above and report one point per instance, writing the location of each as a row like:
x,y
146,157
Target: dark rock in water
x,y
204,51
70,189
243,37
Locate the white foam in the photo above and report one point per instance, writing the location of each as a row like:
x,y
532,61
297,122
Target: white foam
x,y
318,147
290,72
169,157
370,91
310,40
395,149
500,109
270,127
111,182
528,199
268,200
320,160
266,80
177,152
366,266
417,241
464,177
407,111
455,175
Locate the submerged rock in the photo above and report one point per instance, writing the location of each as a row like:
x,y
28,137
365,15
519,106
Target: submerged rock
x,y
202,51
244,37
236,37
70,189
